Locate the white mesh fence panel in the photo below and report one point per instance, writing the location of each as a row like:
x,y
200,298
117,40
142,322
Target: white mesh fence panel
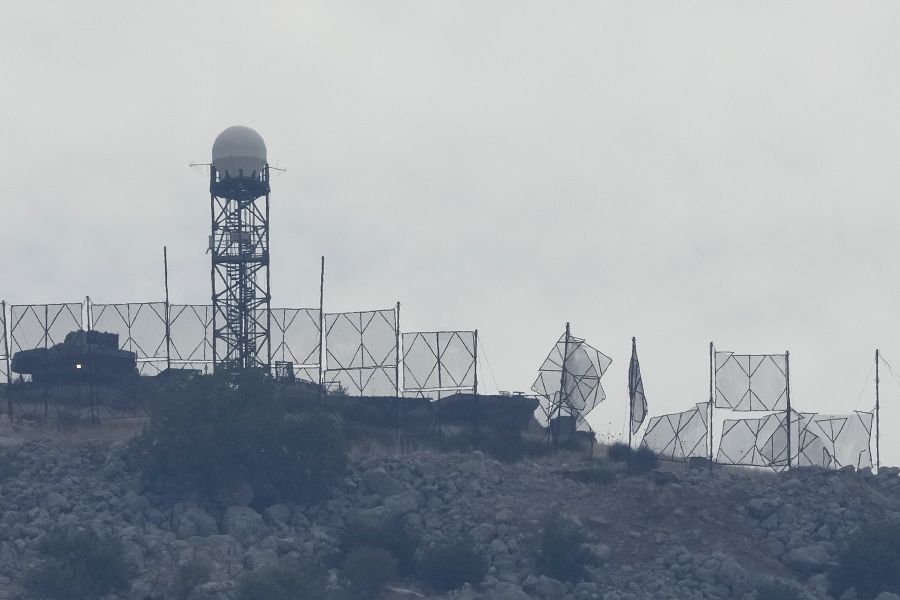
x,y
437,362
141,328
678,436
190,330
42,325
748,382
361,352
296,339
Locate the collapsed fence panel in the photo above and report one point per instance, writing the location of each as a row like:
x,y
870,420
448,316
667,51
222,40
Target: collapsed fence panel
x,y
361,352
141,328
678,436
748,382
568,381
836,441
190,330
296,340
437,364
760,442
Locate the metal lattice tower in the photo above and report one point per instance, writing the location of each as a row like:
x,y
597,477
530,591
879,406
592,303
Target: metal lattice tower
x,y
239,245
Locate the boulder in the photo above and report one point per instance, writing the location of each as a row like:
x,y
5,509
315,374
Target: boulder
x,y
191,520
809,559
380,482
244,524
506,591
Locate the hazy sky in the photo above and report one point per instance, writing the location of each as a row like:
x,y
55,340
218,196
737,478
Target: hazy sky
x,y
677,171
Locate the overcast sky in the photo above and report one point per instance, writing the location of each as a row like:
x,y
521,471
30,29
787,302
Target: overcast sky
x,y
678,171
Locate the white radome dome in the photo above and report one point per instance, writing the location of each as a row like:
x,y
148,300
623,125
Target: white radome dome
x,y
239,152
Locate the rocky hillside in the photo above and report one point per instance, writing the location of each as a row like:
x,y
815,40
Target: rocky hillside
x,y
669,534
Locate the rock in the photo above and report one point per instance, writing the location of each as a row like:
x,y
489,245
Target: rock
x,y
506,591
601,552
255,558
58,501
191,521
244,524
483,533
504,515
380,482
887,596
278,514
213,590
240,494
405,502
375,518
808,559
548,587
760,508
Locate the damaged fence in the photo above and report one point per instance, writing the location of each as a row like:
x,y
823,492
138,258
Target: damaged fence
x,y
760,428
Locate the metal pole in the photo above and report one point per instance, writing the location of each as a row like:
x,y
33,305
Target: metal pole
x,y
322,330
397,350
7,350
46,343
787,389
712,398
268,286
400,415
213,249
562,391
437,337
168,322
877,412
475,389
631,388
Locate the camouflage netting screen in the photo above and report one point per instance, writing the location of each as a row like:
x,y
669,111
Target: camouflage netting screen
x,y
141,329
836,441
760,442
190,329
575,390
438,363
361,352
678,436
746,382
296,339
4,348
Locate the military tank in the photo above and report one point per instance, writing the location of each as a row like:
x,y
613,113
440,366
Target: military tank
x,y
84,356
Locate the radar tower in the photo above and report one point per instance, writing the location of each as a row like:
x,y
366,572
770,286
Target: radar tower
x,y
239,245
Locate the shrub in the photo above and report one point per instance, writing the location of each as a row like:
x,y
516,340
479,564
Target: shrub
x,y
871,563
190,575
369,569
391,536
642,460
78,564
595,475
619,452
447,566
213,435
281,583
776,589
563,555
